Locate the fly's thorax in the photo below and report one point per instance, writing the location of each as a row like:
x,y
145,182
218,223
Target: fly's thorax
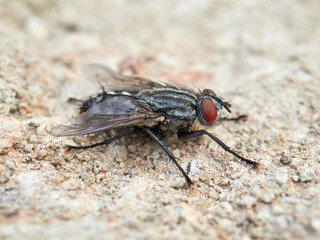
x,y
179,106
172,125
173,102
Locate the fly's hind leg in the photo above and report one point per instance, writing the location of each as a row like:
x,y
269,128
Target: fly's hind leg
x,y
105,142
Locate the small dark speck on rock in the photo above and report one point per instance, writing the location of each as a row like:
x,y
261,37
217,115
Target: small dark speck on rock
x,y
34,123
284,158
149,218
129,172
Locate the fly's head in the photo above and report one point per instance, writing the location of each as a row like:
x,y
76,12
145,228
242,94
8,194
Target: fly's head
x,y
210,106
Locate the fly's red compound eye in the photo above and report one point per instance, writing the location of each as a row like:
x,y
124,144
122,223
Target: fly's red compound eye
x,y
209,91
208,110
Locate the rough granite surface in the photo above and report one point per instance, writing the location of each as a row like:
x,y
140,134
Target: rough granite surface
x,y
262,56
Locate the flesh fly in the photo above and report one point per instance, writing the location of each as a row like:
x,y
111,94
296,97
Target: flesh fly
x,y
141,104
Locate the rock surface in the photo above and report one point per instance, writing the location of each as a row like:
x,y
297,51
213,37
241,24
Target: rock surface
x,y
262,56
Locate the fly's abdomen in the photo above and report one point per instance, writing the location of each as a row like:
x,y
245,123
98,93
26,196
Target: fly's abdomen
x,y
92,101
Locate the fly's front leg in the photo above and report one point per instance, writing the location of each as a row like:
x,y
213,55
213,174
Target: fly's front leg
x,y
195,134
242,117
105,142
173,159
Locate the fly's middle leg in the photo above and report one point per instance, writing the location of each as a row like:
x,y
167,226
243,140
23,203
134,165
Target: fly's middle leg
x,y
173,159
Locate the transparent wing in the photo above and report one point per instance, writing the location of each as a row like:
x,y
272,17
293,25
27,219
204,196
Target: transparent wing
x,y
115,112
118,82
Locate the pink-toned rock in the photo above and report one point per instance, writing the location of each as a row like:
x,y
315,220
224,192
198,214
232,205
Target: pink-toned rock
x,y
10,133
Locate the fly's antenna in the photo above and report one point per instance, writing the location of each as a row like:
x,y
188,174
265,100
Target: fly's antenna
x,y
227,106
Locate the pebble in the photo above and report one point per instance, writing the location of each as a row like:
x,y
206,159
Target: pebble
x,y
165,201
36,27
70,142
246,238
10,128
95,169
295,178
132,148
43,153
4,144
314,128
204,177
224,182
268,198
131,223
9,166
225,223
212,195
101,176
310,193
271,134
57,179
184,198
253,141
149,218
316,224
10,133
285,159
227,207
256,232
34,123
277,209
33,139
193,167
282,222
247,202
72,184
281,176
178,183
306,174
83,157
5,176
28,148
176,153
155,155
85,177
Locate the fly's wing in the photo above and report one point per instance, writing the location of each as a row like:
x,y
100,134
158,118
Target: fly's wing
x,y
118,82
115,112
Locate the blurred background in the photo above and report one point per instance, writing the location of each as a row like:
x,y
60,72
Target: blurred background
x,y
217,44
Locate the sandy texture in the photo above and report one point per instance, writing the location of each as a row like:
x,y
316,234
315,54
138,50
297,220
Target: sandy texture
x,y
263,56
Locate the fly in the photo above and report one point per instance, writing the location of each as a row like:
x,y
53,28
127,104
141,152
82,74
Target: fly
x,y
141,104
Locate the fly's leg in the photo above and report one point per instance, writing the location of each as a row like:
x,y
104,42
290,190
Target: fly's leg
x,y
105,142
157,140
195,134
243,117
